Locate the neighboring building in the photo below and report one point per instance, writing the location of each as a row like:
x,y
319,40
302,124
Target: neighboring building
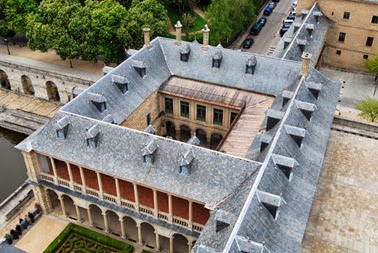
x,y
353,35
186,145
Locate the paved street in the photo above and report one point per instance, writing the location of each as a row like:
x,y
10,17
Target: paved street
x,y
269,36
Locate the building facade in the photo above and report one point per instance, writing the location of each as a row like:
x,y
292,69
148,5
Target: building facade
x,y
353,35
187,147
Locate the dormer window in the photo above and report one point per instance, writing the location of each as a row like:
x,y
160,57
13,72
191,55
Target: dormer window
x,y
98,100
251,65
306,108
121,83
184,53
271,202
62,128
140,67
186,163
148,153
93,136
217,59
285,164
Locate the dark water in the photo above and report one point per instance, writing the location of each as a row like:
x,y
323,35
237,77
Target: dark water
x,y
12,166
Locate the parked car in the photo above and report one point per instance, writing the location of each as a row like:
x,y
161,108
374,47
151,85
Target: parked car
x,y
256,28
287,21
248,42
262,21
284,29
276,1
272,5
267,11
291,16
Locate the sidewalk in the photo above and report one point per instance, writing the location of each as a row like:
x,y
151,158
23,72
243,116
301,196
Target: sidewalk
x,y
52,58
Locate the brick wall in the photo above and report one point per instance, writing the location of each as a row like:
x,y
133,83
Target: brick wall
x,y
180,207
162,202
108,184
126,190
145,196
76,174
200,213
61,169
90,179
138,118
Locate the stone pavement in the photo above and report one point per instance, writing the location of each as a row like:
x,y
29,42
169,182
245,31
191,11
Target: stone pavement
x,y
355,87
344,213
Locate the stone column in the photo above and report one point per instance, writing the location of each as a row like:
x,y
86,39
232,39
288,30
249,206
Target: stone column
x,y
123,232
32,165
83,180
136,197
190,243
171,244
205,31
146,32
140,236
178,134
78,213
157,238
54,170
208,140
190,223
170,213
63,206
101,192
106,224
42,198
118,191
178,26
70,175
156,208
90,217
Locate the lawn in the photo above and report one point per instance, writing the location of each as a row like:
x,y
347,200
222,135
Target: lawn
x,y
79,239
198,23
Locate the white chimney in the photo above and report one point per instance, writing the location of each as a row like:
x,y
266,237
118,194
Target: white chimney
x,y
146,32
178,26
205,31
306,57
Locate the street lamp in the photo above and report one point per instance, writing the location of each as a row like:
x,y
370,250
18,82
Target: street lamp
x,y
6,43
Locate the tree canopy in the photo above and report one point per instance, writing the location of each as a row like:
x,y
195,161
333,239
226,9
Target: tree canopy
x,y
147,13
368,108
372,65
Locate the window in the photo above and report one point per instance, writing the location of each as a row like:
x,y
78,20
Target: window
x,y
184,106
201,112
342,37
148,119
369,41
365,57
218,117
374,20
233,117
168,105
338,52
346,15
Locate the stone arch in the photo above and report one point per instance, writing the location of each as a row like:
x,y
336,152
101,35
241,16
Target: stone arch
x,y
148,235
131,229
185,133
54,200
27,85
215,140
113,223
4,80
170,129
202,136
69,206
97,217
180,244
52,91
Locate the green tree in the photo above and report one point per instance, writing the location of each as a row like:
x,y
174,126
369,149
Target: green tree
x,y
106,17
16,12
368,108
372,65
218,18
147,13
188,20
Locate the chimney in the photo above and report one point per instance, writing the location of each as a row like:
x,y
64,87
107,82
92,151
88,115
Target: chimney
x,y
146,32
205,31
178,26
306,57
